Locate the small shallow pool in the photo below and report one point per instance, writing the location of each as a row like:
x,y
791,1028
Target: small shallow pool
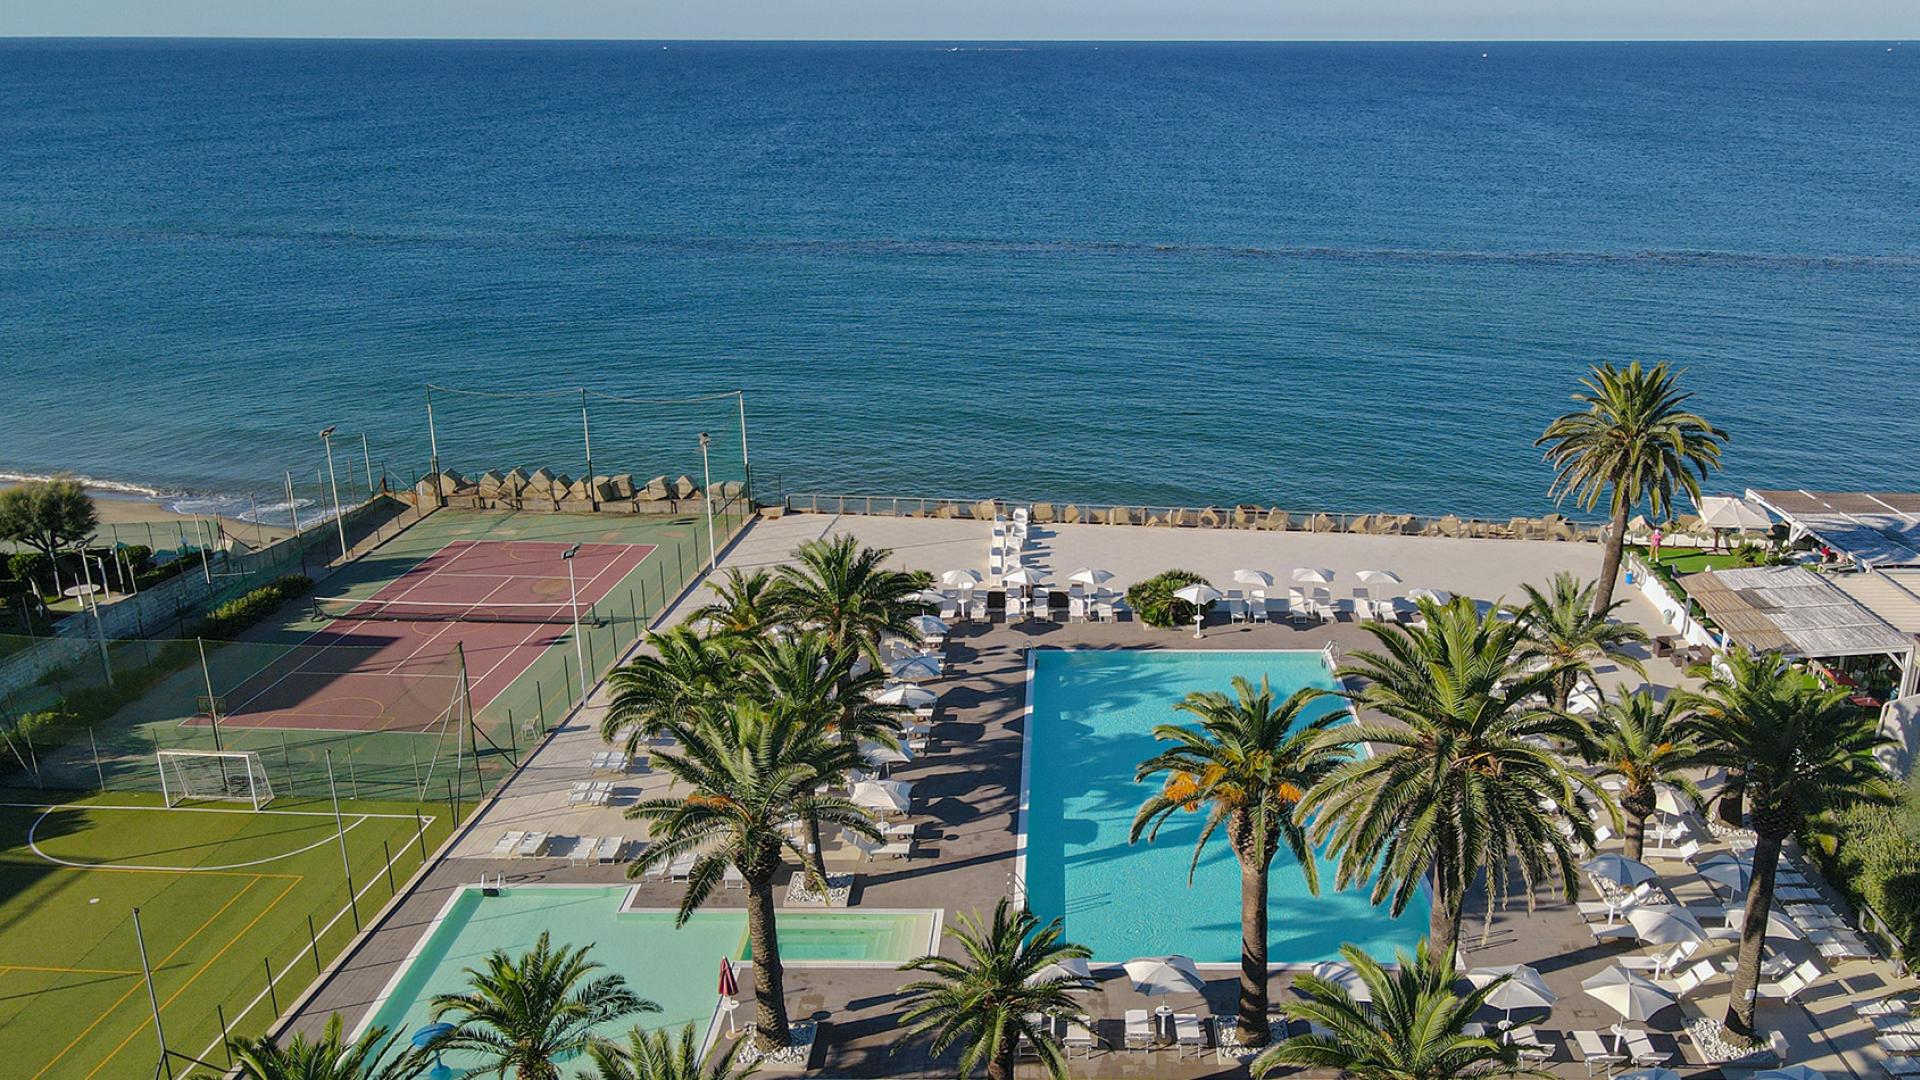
x,y
676,968
1091,719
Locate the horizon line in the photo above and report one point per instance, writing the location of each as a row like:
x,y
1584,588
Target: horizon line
x,y
1895,40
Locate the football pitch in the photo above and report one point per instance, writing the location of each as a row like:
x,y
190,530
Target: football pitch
x,y
238,908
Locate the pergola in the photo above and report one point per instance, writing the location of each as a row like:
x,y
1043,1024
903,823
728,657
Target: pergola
x,y
1800,614
1875,529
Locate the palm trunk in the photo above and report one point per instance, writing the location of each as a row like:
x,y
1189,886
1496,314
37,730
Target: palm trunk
x,y
1001,1065
1610,566
1753,935
1443,923
1732,805
816,858
769,979
1636,835
1563,685
1253,956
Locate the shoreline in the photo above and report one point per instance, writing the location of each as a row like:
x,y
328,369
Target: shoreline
x,y
119,505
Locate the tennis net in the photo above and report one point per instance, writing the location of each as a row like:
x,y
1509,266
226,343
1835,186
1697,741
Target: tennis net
x,y
560,612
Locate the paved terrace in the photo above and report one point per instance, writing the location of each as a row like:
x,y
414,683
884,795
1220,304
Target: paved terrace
x,y
966,794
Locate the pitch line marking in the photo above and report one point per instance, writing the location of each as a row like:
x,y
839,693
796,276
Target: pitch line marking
x,y
35,845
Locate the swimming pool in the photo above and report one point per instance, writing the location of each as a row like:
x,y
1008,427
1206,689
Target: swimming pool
x,y
676,968
1090,720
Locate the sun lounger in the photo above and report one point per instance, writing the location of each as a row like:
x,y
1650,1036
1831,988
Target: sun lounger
x,y
1079,1036
1594,1052
1613,932
1189,1033
582,849
1640,1049
1899,1044
508,843
608,850
1788,988
1840,944
1796,893
682,866
732,878
1139,1030
1259,608
1691,979
1901,1068
892,849
531,845
1887,1007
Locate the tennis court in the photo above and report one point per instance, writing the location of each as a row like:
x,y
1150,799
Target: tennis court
x,y
381,662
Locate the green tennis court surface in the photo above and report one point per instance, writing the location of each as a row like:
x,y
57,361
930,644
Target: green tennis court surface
x,y
225,896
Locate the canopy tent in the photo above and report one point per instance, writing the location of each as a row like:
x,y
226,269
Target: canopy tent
x,y
1731,514
1873,528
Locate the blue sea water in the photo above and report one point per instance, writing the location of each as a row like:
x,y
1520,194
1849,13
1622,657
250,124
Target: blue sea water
x,y
1333,276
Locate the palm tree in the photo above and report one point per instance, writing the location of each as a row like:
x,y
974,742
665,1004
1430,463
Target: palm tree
x,y
1247,765
998,993
1463,781
1733,684
742,605
1567,632
1647,744
1630,441
1803,750
848,593
657,1055
1412,1029
329,1057
751,771
683,675
527,1014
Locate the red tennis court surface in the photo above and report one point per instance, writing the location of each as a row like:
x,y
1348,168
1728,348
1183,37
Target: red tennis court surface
x,y
396,674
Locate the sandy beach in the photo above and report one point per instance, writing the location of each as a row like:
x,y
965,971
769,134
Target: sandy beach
x,y
121,508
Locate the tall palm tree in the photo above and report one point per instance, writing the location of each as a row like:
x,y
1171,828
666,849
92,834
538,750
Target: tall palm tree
x,y
683,674
658,1055
1247,765
330,1057
527,1014
848,593
1461,780
1411,1030
1803,749
1732,686
1647,744
1568,633
1630,441
750,772
742,604
998,993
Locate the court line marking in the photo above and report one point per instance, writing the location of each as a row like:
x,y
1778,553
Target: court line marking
x,y
33,843
122,999
450,624
200,810
4,968
523,641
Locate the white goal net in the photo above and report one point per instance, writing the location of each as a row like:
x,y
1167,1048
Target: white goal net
x,y
222,775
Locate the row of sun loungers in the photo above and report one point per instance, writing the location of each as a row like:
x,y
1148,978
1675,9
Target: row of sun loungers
x,y
523,844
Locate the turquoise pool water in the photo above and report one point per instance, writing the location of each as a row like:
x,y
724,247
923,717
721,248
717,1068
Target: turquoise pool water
x,y
1092,720
677,968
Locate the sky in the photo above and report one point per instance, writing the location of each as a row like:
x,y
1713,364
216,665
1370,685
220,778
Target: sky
x,y
1470,20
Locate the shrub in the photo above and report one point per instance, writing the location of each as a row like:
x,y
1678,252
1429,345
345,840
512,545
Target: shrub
x,y
1870,854
230,619
28,566
138,556
1153,601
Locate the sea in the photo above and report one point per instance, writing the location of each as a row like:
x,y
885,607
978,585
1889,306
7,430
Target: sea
x,y
1316,276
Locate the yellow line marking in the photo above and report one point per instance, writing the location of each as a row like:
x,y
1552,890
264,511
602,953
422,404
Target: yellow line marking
x,y
4,968
122,999
201,970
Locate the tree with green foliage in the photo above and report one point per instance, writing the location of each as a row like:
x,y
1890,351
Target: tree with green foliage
x,y
1648,744
48,516
1246,766
330,1057
1565,631
745,773
529,1013
679,677
848,593
1462,782
659,1055
1412,1028
1803,750
998,993
742,605
1631,441
1152,600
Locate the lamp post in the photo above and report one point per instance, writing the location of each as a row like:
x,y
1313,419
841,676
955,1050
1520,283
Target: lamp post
x,y
573,603
706,496
326,436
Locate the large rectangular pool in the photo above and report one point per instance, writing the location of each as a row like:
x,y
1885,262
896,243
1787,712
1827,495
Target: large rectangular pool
x,y
1090,724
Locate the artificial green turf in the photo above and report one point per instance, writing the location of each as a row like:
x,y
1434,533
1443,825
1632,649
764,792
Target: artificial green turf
x,y
1694,560
72,1003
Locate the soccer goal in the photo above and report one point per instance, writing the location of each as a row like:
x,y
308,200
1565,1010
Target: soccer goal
x,y
223,775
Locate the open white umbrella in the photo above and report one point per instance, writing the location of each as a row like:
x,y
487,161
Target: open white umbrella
x,y
1729,870
1259,579
879,753
1665,925
1634,997
1379,577
930,626
1524,988
895,796
1343,975
916,667
1778,925
1671,800
1091,576
906,696
928,596
1021,577
1155,975
1073,967
1438,596
1310,575
1790,1072
1199,594
1618,869
960,579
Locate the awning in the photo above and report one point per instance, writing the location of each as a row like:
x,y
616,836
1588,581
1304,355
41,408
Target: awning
x,y
1876,528
1793,610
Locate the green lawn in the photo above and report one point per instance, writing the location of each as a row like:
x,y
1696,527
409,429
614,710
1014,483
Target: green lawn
x,y
225,895
1693,560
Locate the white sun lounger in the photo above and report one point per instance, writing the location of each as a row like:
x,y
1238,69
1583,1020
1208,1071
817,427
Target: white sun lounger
x,y
682,866
1189,1033
508,843
1900,1068
1079,1036
1139,1030
531,845
582,849
1594,1052
608,849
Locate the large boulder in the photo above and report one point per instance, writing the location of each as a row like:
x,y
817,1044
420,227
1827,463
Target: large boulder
x,y
490,484
1041,513
685,488
622,484
1070,514
1210,518
1323,523
655,491
1276,520
514,483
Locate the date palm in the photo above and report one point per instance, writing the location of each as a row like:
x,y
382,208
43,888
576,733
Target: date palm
x,y
742,604
680,676
330,1057
1648,744
659,1055
1565,631
1246,766
1412,1029
1732,684
998,993
1803,750
1632,440
1462,781
749,772
848,593
524,1015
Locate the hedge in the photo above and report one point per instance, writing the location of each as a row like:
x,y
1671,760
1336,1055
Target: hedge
x,y
230,619
1875,859
1153,601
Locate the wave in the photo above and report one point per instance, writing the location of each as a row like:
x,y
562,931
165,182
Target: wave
x,y
94,483
246,508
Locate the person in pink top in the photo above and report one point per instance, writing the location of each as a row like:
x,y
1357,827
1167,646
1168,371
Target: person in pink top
x,y
1653,543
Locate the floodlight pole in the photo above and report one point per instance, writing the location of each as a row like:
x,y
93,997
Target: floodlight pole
x,y
586,438
153,999
366,455
213,707
326,436
573,604
433,448
746,465
706,496
292,507
346,864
